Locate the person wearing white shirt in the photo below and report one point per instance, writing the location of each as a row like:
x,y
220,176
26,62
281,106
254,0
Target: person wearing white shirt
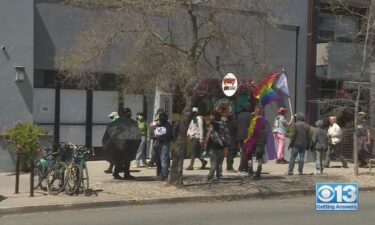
x,y
334,140
196,134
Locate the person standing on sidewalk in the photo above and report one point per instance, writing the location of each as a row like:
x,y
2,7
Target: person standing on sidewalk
x,y
319,143
243,123
141,152
256,141
196,134
233,145
363,140
215,143
152,127
163,136
126,156
299,142
334,140
113,116
120,143
279,131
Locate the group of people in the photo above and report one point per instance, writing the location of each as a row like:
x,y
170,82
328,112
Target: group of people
x,y
123,132
248,133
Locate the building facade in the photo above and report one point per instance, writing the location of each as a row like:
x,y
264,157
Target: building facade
x,y
33,34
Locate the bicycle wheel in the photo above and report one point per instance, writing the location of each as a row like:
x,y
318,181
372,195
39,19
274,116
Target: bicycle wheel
x,y
37,176
55,178
43,178
85,177
72,179
43,166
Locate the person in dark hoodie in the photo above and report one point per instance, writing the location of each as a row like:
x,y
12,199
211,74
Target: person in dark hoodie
x,y
319,143
216,145
163,134
243,123
299,142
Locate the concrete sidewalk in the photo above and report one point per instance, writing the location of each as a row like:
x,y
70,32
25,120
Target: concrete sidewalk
x,y
147,189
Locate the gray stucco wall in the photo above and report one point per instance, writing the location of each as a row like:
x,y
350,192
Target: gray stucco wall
x,y
16,98
17,35
294,12
57,29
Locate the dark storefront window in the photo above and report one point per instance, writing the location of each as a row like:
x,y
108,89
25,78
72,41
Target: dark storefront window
x,y
47,79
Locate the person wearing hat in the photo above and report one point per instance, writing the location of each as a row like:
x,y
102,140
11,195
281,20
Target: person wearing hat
x,y
196,134
279,131
113,116
363,140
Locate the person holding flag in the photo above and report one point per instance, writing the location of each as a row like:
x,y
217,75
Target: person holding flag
x,y
259,142
280,126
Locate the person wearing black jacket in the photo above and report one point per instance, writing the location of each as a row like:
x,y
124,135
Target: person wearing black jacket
x,y
233,145
300,141
163,134
243,122
120,143
216,146
319,143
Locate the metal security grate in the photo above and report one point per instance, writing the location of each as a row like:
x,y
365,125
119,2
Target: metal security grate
x,y
347,144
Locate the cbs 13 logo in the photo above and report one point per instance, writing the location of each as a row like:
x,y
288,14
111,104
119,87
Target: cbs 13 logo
x,y
336,193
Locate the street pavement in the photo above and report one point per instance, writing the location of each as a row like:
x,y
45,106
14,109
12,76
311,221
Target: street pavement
x,y
148,189
250,211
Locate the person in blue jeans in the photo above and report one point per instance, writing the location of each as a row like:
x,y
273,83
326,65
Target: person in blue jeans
x,y
141,152
299,142
163,136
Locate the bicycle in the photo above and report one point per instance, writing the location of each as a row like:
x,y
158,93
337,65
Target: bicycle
x,y
76,174
41,168
56,174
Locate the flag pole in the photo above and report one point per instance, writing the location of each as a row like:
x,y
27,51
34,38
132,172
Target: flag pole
x,y
290,108
290,103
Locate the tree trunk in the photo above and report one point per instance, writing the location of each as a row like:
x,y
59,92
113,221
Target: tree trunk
x,y
372,102
372,95
176,174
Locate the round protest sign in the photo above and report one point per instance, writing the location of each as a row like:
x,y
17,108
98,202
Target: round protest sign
x,y
229,84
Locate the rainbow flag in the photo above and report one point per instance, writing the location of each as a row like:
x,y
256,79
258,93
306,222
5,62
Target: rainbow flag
x,y
265,93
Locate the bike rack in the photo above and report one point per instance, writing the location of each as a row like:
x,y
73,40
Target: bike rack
x,y
17,185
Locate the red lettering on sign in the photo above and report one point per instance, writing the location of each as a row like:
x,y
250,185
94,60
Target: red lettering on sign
x,y
228,81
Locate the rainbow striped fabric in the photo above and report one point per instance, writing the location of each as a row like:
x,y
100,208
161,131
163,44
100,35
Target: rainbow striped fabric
x,y
265,93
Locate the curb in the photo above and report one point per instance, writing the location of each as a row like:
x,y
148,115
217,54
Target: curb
x,y
128,202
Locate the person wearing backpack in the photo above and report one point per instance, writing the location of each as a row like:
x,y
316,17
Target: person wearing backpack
x,y
279,131
196,134
215,142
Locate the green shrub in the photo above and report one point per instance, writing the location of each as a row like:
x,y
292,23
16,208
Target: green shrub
x,y
24,138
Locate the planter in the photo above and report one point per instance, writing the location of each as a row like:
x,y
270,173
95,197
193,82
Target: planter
x,y
24,162
24,157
